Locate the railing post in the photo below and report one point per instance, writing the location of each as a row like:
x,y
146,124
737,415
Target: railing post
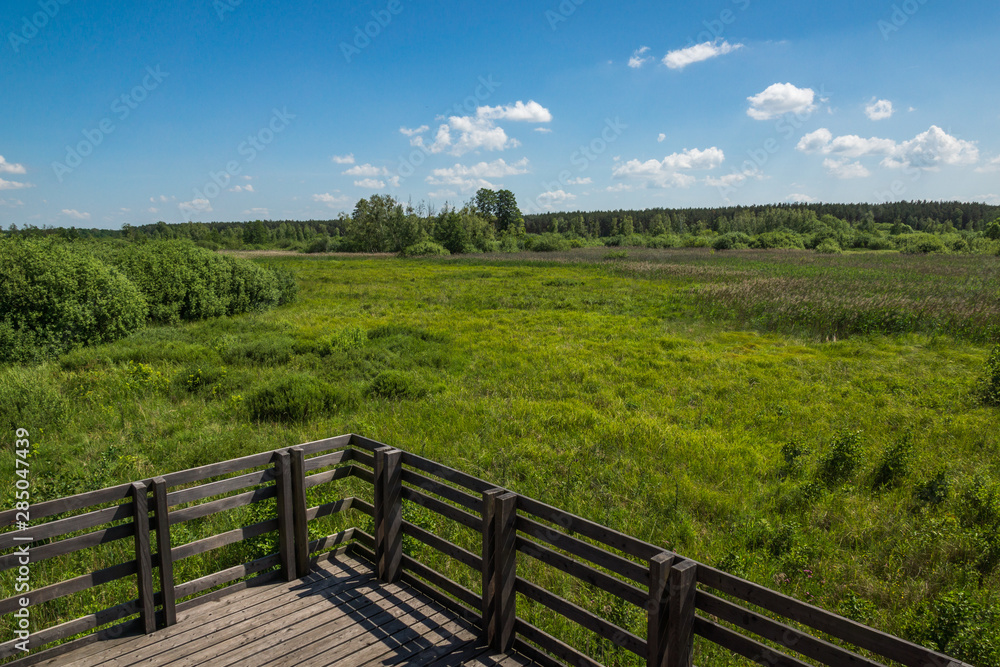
x,y
680,622
299,511
162,518
657,609
388,513
143,557
499,568
286,521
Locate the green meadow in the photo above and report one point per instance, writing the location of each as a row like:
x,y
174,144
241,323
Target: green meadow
x,y
815,423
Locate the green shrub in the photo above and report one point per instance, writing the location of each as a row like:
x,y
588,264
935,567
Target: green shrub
x,y
201,379
895,463
981,503
425,249
268,350
792,453
829,247
397,385
296,398
934,490
843,459
184,282
55,296
732,241
549,243
958,624
989,385
781,238
921,243
663,241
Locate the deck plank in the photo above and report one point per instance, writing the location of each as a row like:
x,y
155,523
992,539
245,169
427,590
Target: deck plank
x,y
339,614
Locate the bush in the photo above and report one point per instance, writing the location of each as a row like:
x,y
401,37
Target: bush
x,y
843,459
424,249
27,401
895,464
184,282
397,385
732,241
297,398
933,491
920,244
266,350
55,297
829,247
548,243
781,238
989,385
663,241
958,624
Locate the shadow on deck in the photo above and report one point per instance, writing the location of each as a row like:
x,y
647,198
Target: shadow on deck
x,y
339,614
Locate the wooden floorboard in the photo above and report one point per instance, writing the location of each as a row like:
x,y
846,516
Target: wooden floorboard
x,y
340,614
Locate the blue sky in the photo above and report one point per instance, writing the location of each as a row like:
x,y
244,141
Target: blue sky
x,y
241,109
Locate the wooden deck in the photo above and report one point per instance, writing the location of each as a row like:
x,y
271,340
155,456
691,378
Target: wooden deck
x,y
339,614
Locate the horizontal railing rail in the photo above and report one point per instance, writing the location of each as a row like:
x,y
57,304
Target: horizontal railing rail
x,y
507,543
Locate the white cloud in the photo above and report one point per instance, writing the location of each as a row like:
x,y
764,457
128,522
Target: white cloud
x,y
879,110
11,202
845,169
543,130
13,185
734,179
532,112
989,199
371,183
10,167
412,132
242,188
333,201
153,209
200,205
681,58
991,166
368,170
442,194
583,180
801,199
258,213
343,159
468,178
622,187
554,198
76,215
669,172
781,98
637,60
928,150
661,138
933,148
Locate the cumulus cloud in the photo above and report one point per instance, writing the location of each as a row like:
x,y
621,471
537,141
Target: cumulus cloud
x,y
779,99
343,159
242,188
532,112
76,215
412,132
661,138
464,134
735,179
928,150
13,185
554,198
370,183
366,169
468,178
583,180
672,170
200,205
879,110
637,60
845,169
543,130
10,167
153,209
258,213
333,201
800,199
681,58
991,166
11,202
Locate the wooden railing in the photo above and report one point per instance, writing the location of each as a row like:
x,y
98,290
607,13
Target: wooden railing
x,y
746,619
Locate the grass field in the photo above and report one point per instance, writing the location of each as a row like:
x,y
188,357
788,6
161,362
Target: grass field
x,y
809,422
